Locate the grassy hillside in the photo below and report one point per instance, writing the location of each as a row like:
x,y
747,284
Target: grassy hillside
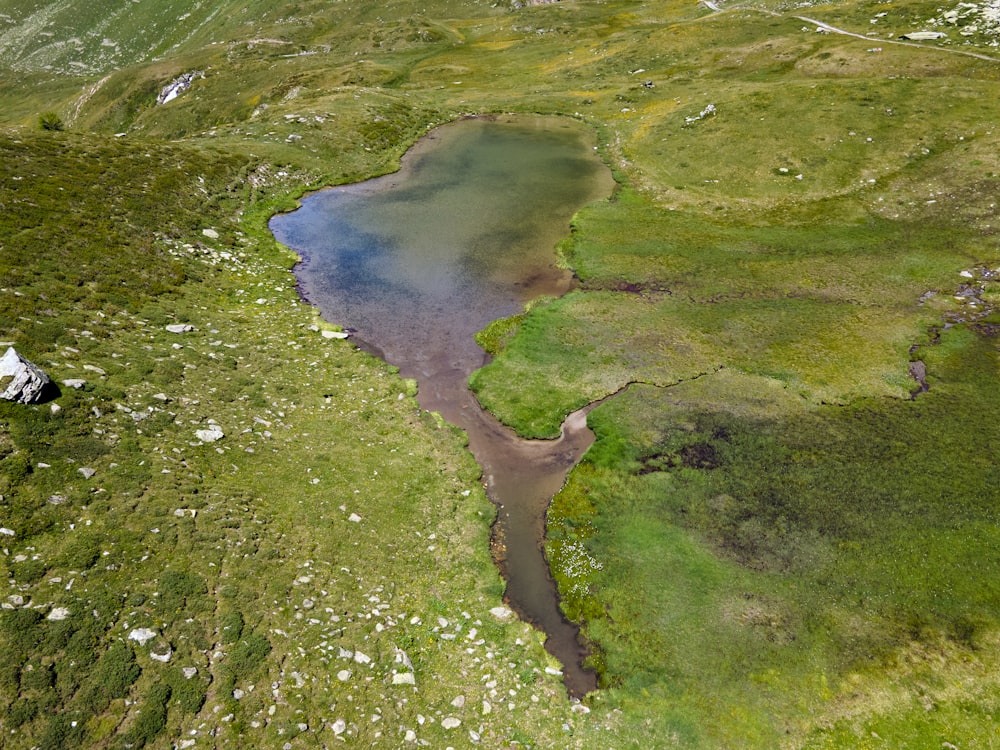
x,y
278,563
771,544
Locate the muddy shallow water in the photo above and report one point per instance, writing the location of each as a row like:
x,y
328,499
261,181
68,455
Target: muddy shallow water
x,y
415,263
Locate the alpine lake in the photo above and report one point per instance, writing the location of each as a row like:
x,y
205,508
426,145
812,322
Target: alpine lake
x,y
415,263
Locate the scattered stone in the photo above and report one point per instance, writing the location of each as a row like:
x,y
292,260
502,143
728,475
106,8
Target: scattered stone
x,y
459,702
161,397
189,672
94,369
58,613
16,599
404,678
361,658
161,657
55,408
404,659
579,708
210,233
180,328
708,111
238,694
344,675
7,532
553,671
57,499
339,726
77,383
21,381
502,613
354,518
142,635
86,471
211,435
451,722
334,334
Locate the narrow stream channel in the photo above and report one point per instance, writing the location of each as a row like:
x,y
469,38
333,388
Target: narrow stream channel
x,y
415,263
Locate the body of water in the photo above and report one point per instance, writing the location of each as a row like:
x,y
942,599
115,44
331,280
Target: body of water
x,y
415,263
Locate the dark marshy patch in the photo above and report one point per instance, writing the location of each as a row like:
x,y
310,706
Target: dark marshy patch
x,y
695,456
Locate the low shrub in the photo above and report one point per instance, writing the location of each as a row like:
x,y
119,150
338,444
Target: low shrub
x,y
231,627
111,678
152,717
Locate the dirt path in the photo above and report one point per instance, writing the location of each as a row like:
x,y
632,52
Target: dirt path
x,y
714,7
835,30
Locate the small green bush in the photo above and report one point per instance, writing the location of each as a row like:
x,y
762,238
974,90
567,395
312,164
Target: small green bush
x,y
15,468
247,655
152,717
22,630
39,677
82,552
50,121
10,674
176,587
60,733
231,627
22,712
110,679
189,694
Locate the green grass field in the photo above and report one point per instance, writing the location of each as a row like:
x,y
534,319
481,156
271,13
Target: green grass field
x,y
770,545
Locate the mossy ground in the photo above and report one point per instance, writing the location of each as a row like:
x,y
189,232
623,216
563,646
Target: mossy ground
x,y
770,544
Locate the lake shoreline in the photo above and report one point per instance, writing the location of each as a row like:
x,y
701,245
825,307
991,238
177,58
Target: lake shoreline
x,y
514,253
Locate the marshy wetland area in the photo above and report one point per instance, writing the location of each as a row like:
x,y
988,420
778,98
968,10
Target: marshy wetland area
x,y
230,522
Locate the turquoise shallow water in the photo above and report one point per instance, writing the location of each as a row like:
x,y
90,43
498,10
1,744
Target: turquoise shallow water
x,y
415,263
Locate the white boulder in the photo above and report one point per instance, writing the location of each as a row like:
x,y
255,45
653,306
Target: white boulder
x,y
142,635
20,380
211,435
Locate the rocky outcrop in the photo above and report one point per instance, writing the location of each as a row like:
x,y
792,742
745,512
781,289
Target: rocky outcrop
x,y
20,380
178,86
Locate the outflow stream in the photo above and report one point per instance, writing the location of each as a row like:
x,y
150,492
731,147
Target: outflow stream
x,y
415,263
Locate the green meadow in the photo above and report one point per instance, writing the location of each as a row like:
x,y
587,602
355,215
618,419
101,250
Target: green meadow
x,y
247,533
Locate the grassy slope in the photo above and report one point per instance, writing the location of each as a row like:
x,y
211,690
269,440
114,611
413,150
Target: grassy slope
x,y
715,518
333,522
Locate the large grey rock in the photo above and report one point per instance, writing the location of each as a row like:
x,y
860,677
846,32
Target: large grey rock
x,y
20,380
919,36
212,434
